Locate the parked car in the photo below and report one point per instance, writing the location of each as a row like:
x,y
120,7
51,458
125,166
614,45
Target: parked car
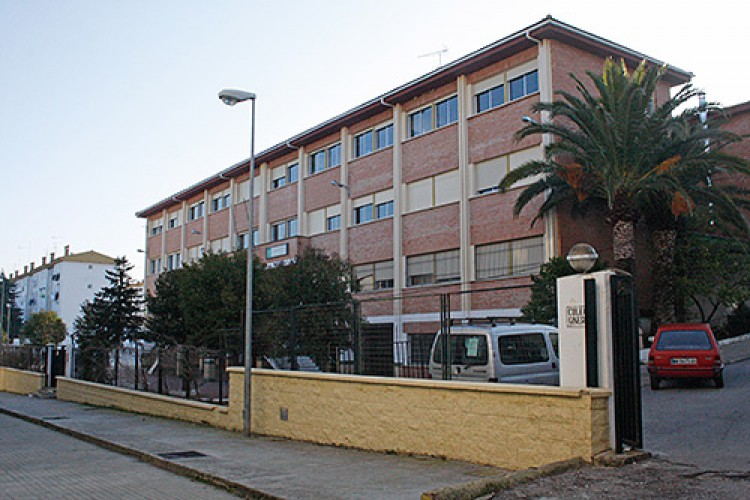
x,y
516,354
685,350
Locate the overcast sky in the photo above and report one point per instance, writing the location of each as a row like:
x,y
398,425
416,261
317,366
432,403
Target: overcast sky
x,y
107,107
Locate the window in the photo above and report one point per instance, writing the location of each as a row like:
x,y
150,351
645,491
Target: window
x,y
524,85
490,98
325,158
363,214
509,258
333,223
284,230
174,219
278,180
283,175
174,261
243,241
292,174
156,227
384,136
317,162
154,266
373,140
446,112
196,211
420,122
220,202
523,349
433,268
363,144
467,350
334,156
385,209
433,191
374,276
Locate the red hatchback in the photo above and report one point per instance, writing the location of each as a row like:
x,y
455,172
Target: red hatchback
x,y
685,350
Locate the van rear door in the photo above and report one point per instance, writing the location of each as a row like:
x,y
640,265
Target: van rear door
x,y
470,356
525,358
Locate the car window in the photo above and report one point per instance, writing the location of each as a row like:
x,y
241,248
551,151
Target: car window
x,y
554,339
684,340
465,350
521,349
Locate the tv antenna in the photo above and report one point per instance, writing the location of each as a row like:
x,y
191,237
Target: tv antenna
x,y
438,53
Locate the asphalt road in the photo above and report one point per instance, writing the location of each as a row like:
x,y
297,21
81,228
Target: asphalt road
x,y
694,423
36,462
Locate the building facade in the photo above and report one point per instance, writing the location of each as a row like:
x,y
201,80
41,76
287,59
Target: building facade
x,y
61,284
405,185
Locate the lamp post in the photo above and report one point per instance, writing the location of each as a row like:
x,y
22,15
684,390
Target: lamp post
x,y
230,97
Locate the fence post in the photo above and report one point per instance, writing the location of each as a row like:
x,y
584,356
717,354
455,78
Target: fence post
x,y
293,339
357,336
445,329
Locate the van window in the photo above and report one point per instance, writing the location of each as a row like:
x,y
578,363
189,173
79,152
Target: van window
x,y
465,350
521,349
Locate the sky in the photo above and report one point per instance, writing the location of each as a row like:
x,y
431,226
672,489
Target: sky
x,y
109,106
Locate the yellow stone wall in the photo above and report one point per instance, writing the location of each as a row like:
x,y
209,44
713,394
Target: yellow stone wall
x,y
90,393
20,381
508,426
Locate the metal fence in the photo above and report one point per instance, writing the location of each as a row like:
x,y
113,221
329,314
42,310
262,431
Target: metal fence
x,y
24,357
357,338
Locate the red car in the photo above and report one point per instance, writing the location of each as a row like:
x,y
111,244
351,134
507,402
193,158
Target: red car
x,y
685,350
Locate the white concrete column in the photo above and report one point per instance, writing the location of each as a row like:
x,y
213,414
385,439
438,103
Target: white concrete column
x,y
231,224
345,194
546,94
398,211
164,239
262,207
183,233
301,215
204,229
464,109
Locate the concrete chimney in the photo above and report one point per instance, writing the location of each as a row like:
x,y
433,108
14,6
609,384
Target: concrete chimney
x,y
31,268
25,269
51,257
44,261
67,250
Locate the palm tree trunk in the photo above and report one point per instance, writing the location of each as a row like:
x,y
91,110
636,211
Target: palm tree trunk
x,y
663,242
623,244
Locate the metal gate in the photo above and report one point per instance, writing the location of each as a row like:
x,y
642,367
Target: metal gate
x,y
56,366
627,371
377,349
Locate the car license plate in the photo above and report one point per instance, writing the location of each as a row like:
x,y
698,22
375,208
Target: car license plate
x,y
684,361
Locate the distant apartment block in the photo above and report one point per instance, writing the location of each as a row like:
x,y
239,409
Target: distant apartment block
x,y
61,284
405,185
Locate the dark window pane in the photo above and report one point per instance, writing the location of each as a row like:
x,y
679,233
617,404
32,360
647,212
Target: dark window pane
x,y
293,172
334,156
483,101
516,88
497,96
532,82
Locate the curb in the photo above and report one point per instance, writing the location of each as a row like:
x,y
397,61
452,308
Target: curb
x,y
493,485
233,487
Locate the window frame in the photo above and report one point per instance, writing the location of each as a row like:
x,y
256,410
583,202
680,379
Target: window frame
x,y
433,111
432,278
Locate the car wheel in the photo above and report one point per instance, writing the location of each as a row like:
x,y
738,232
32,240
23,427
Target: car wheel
x,y
655,383
719,381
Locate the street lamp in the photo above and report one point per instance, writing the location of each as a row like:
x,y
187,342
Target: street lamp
x,y
230,97
582,257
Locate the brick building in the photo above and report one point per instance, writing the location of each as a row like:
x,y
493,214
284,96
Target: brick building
x,y
404,185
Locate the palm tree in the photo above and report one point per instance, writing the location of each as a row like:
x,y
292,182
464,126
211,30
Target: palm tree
x,y
617,149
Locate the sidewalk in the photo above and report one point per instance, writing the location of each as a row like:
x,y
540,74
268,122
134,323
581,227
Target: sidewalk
x,y
256,467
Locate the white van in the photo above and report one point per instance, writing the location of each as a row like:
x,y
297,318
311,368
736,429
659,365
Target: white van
x,y
514,354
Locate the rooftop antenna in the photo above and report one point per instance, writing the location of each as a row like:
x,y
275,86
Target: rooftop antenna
x,y
438,53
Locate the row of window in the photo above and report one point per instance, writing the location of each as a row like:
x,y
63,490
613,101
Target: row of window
x,y
497,260
518,87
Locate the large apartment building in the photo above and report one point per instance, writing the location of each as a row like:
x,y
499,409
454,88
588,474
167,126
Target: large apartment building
x,y
405,185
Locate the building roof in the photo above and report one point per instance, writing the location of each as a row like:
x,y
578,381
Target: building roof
x,y
738,109
89,257
547,28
